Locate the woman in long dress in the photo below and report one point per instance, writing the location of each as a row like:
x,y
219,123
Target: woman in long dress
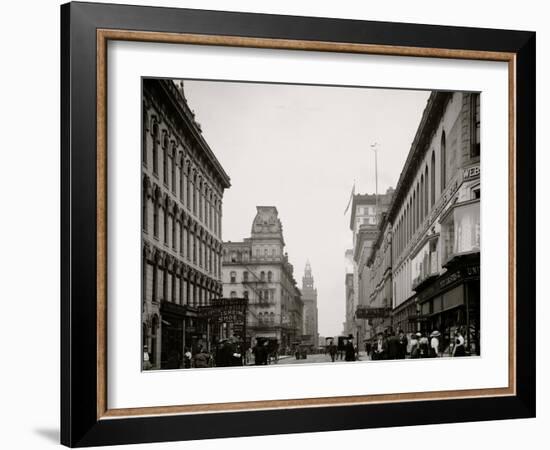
x,y
458,349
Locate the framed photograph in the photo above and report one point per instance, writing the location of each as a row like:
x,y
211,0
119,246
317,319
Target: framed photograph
x,y
278,224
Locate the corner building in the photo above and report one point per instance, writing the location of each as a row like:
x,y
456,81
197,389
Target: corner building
x,y
258,269
182,190
435,221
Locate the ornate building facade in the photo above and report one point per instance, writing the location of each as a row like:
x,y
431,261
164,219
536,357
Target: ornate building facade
x,y
427,251
436,222
182,190
311,313
366,213
258,269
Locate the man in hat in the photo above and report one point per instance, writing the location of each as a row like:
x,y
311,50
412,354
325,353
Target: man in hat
x,y
380,349
393,346
403,342
350,349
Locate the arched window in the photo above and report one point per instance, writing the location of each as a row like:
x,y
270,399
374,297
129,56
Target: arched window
x,y
165,158
233,277
443,162
174,232
173,167
270,276
182,178
155,148
421,205
260,318
145,120
426,191
144,208
200,199
233,294
165,282
271,318
155,218
194,192
154,282
188,180
414,209
166,221
245,294
432,181
262,275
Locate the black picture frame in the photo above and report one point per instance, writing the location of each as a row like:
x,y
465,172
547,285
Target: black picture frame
x,y
80,425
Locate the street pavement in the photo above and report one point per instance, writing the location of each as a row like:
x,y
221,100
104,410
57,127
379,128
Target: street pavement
x,y
313,359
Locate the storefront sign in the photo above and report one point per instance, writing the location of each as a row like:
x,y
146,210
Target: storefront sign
x,y
471,172
226,310
450,279
364,312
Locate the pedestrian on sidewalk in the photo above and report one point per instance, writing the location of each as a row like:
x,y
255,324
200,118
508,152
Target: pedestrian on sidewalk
x,y
434,344
403,342
415,349
380,350
332,351
187,358
458,349
424,346
202,359
393,346
350,349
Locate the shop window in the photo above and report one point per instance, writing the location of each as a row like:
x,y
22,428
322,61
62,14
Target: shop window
x,y
476,192
475,125
460,230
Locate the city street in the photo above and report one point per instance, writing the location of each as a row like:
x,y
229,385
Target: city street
x,y
312,359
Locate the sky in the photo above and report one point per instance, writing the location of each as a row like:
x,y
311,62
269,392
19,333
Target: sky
x,y
301,148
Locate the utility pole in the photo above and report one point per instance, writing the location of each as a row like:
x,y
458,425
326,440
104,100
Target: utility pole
x,y
375,149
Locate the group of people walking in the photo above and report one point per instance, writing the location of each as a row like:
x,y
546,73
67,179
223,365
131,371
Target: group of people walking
x,y
345,350
418,345
391,345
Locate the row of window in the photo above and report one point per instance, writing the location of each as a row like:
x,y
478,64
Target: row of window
x,y
423,196
251,276
183,241
169,286
244,255
184,181
264,295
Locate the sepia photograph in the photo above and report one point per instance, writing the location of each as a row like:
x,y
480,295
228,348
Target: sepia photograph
x,y
289,224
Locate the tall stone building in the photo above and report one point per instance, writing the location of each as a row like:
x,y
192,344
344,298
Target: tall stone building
x,y
258,269
427,251
366,213
436,222
311,314
182,189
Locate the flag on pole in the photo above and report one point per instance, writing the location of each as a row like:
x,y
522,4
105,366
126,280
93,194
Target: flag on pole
x,y
350,198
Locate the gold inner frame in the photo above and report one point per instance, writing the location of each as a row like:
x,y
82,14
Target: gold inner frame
x,y
104,35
